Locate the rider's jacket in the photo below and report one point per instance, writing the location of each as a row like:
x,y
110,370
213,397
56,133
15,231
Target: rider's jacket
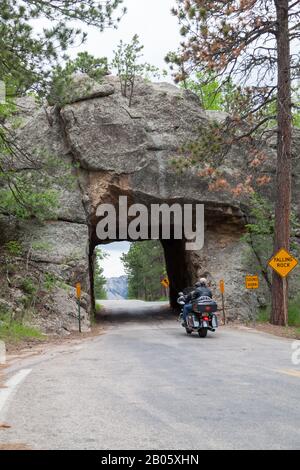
x,y
199,292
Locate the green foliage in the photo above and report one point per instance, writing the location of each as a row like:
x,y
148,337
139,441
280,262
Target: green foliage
x,y
24,55
29,286
209,93
96,68
29,201
220,48
296,120
263,221
26,182
15,331
296,106
14,248
213,95
260,236
263,216
50,281
206,151
127,63
264,315
144,265
99,279
293,313
26,61
212,142
98,306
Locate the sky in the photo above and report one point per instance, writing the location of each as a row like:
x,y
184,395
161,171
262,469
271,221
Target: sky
x,y
152,20
112,265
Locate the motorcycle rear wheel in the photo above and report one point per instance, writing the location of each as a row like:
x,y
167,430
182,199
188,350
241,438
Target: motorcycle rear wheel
x,y
202,332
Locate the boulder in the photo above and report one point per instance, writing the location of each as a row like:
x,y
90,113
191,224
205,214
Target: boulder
x,y
82,87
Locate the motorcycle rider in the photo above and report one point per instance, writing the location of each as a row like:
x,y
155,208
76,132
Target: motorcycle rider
x,y
201,290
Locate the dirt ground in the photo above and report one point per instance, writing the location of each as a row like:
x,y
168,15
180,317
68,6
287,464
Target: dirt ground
x,y
283,331
11,446
26,345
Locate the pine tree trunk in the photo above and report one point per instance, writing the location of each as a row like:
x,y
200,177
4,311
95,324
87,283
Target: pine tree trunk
x,y
279,315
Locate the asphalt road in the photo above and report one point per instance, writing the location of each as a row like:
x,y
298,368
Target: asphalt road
x,y
145,384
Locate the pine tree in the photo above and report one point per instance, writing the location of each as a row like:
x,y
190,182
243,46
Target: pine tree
x,y
250,41
144,266
26,62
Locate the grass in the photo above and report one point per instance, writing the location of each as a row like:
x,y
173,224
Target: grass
x,y
98,306
263,315
15,331
294,313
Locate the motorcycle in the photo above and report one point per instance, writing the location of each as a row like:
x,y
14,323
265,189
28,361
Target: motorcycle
x,y
203,316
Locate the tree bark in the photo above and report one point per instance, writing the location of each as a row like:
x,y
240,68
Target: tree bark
x,y
279,315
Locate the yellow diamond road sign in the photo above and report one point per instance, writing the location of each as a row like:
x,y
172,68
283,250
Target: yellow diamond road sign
x,y
283,262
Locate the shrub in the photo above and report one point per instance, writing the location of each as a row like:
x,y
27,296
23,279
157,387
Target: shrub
x,y
28,286
50,281
14,248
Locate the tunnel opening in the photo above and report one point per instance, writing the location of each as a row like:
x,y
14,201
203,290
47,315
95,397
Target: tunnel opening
x,y
169,260
130,282
177,260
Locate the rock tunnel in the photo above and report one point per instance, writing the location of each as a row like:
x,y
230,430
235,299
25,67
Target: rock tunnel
x,y
183,266
122,151
113,150
178,261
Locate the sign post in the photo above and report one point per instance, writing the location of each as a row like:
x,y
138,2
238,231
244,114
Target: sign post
x,y
78,295
222,290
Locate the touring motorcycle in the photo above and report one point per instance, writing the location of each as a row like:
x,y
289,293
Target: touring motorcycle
x,y
202,317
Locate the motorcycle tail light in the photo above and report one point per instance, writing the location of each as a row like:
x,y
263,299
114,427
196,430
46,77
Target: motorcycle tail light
x,y
205,318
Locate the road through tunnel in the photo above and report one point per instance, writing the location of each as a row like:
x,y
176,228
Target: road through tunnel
x,y
176,265
137,222
183,266
117,206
